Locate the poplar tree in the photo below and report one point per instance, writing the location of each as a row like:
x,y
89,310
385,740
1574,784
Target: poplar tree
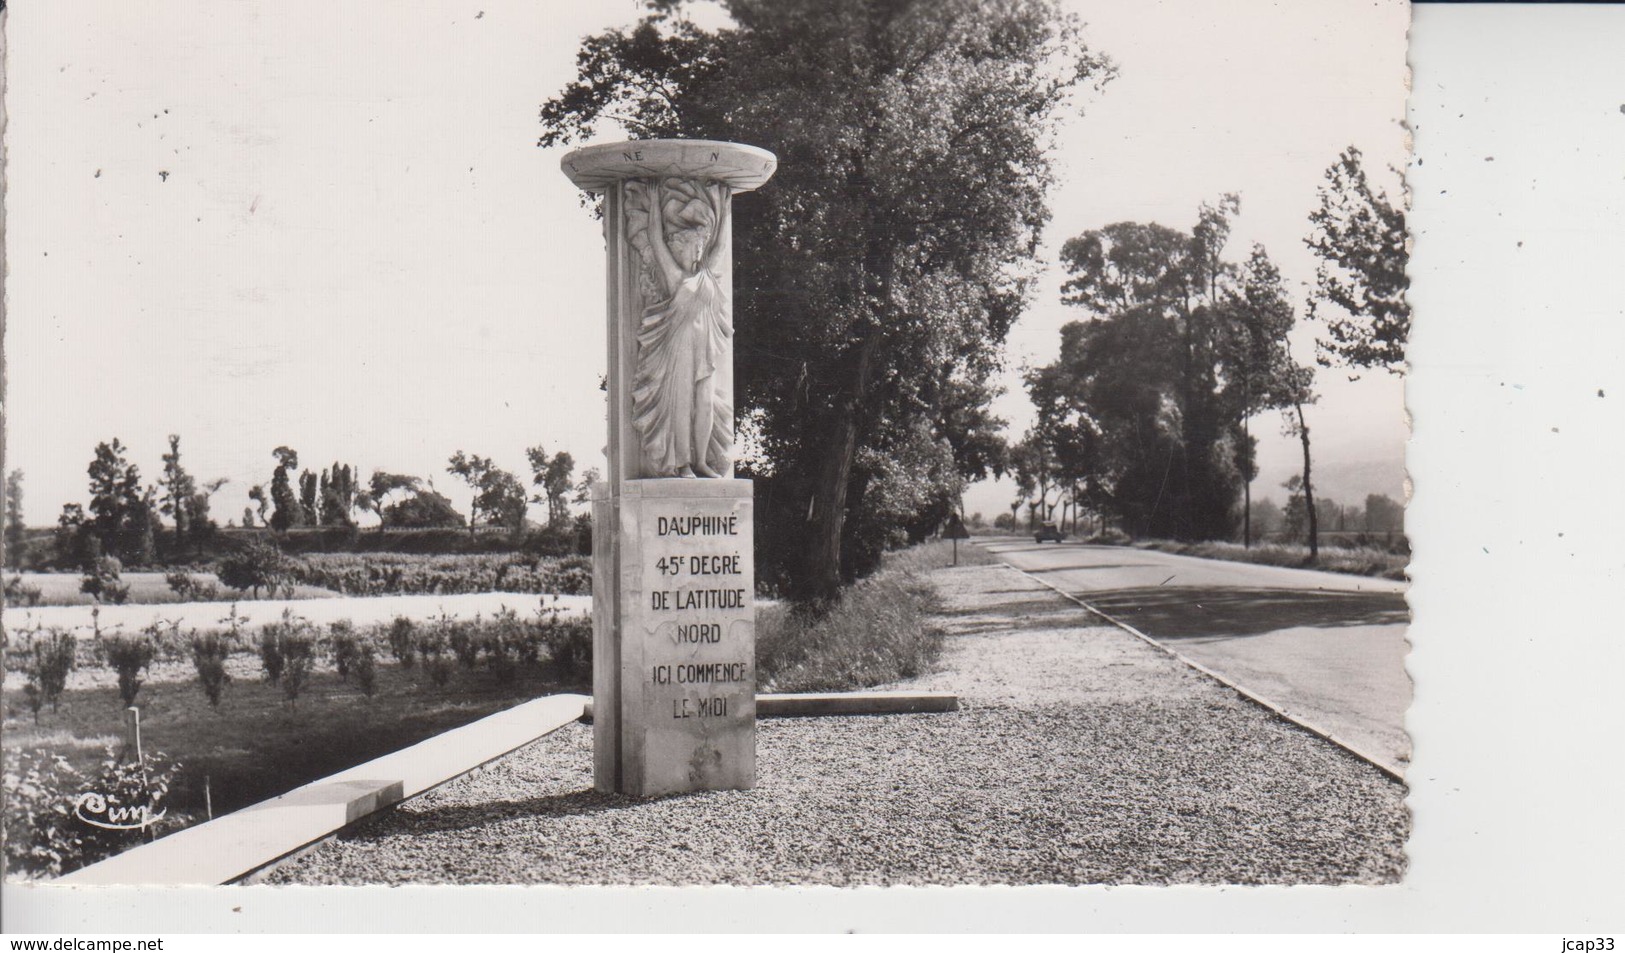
x,y
1361,240
286,510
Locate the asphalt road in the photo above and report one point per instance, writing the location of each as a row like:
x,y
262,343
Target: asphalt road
x,y
1326,647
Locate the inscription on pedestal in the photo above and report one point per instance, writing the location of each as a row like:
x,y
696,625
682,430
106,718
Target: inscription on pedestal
x,y
695,711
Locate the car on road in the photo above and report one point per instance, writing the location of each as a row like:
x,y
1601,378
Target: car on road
x,y
1049,531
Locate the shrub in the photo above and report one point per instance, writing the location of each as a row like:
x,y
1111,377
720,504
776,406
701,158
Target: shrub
x,y
21,595
465,638
234,625
258,565
377,574
403,641
45,838
51,658
431,645
299,654
168,641
180,583
346,645
505,645
271,658
568,641
209,653
365,668
102,581
130,655
188,588
287,651
1110,536
877,632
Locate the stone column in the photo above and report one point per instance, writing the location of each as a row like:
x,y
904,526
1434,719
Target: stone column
x,y
674,672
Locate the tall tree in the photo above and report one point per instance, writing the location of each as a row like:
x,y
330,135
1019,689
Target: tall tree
x,y
200,526
1033,465
891,251
14,519
74,540
1360,286
141,546
1255,357
262,503
1383,514
310,499
118,517
974,434
584,485
180,493
287,511
1139,390
380,487
499,497
1300,392
424,509
552,474
339,500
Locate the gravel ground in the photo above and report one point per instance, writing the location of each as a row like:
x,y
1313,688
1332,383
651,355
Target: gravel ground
x,y
1080,755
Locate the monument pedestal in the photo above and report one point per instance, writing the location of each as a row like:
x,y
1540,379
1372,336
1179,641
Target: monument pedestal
x,y
674,636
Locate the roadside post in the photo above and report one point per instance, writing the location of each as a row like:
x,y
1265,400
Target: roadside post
x,y
955,530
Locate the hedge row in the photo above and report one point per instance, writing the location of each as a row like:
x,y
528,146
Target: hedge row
x,y
395,574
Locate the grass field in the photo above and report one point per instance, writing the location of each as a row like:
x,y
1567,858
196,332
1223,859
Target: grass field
x,y
1354,561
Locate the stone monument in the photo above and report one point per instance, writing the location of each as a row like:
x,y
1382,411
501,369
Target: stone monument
x,y
674,619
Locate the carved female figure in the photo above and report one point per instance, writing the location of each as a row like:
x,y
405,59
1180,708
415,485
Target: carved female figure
x,y
682,405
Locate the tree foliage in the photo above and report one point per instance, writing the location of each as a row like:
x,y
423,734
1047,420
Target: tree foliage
x,y
379,488
879,272
259,564
180,492
1144,414
1384,514
552,474
424,509
287,512
336,496
14,519
1360,286
121,510
262,504
499,497
309,499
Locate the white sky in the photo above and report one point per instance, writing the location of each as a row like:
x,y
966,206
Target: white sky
x,y
358,250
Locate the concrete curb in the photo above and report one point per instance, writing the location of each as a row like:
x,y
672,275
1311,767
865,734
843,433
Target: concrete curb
x,y
1260,701
821,704
243,843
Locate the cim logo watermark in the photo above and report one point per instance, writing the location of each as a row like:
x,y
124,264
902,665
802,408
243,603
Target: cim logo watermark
x,y
95,810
